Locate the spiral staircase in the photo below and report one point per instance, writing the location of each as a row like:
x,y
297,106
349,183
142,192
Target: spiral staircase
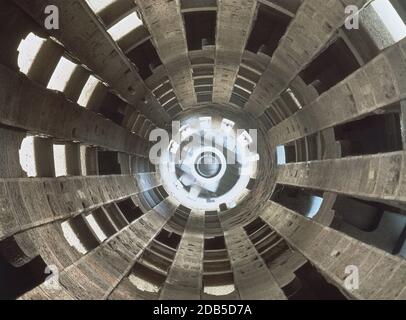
x,y
311,110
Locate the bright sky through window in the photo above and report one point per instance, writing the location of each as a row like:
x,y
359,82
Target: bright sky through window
x,y
28,51
27,156
87,91
60,160
99,5
96,228
61,75
125,26
280,155
390,18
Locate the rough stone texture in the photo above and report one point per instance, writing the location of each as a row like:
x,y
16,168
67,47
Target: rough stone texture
x,y
285,265
96,274
382,276
376,177
32,210
234,23
96,50
47,293
126,289
29,106
45,62
252,278
378,84
84,35
184,281
30,202
112,13
314,24
165,23
148,180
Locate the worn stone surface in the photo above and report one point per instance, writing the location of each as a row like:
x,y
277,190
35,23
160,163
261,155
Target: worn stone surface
x,y
110,252
315,23
27,203
165,24
96,274
29,106
184,281
283,267
375,177
378,84
252,278
94,47
331,252
234,25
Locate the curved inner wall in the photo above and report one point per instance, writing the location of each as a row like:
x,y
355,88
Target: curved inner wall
x,y
202,149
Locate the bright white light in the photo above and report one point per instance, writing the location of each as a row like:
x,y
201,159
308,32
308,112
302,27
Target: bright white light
x,y
83,160
390,18
294,98
173,147
227,125
125,26
60,160
205,122
99,5
280,155
87,91
219,290
231,205
28,51
62,74
243,89
185,131
244,138
72,238
187,187
95,227
27,156
142,284
315,206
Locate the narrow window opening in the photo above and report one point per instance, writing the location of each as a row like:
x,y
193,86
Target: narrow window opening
x,y
95,227
99,5
223,290
280,155
304,201
88,90
330,67
60,160
125,26
28,51
370,135
27,156
200,29
62,74
391,18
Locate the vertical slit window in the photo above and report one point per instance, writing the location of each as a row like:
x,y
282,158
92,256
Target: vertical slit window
x,y
99,5
60,160
88,91
390,18
95,227
62,74
27,156
28,51
125,26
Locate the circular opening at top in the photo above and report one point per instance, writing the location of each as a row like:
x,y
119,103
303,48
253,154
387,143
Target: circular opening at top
x,y
208,165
